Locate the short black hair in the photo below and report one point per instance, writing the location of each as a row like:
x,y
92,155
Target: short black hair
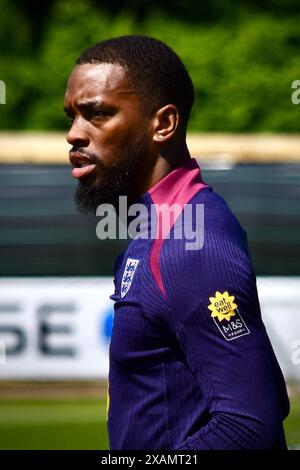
x,y
152,67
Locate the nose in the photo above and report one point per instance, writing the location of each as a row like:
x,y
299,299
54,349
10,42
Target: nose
x,y
77,135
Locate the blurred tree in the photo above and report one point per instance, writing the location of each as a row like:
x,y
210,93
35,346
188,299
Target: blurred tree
x,y
242,58
242,74
16,64
72,27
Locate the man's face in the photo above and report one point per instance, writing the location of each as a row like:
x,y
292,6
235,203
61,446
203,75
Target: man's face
x,y
109,135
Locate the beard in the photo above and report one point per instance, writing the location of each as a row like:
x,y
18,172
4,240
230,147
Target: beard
x,y
116,181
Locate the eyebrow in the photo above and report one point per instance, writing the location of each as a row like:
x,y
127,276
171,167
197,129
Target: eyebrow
x,y
86,104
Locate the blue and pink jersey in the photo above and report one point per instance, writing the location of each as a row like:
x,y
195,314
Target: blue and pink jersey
x,y
191,365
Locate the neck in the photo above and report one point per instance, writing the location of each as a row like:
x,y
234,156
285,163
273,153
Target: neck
x,y
170,157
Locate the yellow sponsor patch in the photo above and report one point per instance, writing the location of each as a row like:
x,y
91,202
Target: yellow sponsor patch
x,y
222,306
226,316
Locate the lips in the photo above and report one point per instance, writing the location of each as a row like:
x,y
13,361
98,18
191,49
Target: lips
x,y
82,165
83,171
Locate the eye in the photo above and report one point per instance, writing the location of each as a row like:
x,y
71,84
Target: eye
x,y
99,113
70,117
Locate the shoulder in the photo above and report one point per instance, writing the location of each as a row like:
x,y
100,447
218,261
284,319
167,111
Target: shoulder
x,y
218,217
192,271
210,233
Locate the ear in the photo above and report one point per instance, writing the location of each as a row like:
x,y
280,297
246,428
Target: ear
x,y
165,123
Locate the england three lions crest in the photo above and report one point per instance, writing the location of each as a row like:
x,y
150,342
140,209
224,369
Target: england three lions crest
x,y
130,268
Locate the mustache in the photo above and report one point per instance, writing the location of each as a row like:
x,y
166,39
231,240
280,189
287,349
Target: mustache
x,y
93,156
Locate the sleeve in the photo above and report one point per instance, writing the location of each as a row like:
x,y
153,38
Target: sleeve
x,y
213,310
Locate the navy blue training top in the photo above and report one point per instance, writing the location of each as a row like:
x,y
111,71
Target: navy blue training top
x,y
190,362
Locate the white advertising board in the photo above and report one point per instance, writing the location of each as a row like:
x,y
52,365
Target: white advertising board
x,y
59,328
55,327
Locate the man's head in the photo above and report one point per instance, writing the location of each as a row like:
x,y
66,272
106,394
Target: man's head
x,y
129,99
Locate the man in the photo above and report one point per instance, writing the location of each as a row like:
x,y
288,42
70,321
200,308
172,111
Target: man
x,y
191,365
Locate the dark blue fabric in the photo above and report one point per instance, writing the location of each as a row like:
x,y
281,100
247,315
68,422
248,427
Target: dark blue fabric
x,y
175,381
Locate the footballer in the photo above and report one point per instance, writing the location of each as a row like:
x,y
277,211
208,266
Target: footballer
x,y
191,364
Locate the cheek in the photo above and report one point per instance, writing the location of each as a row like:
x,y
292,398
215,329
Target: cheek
x,y
117,134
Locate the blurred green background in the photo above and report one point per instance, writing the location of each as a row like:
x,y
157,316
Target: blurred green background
x,y
243,57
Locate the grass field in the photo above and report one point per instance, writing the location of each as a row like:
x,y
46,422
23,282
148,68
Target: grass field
x,y
53,424
75,424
